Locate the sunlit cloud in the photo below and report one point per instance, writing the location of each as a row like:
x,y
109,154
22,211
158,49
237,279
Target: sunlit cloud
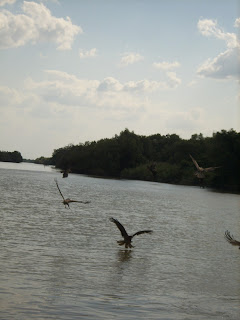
x,y
130,58
36,24
87,54
208,27
237,23
110,84
227,64
68,90
173,80
166,65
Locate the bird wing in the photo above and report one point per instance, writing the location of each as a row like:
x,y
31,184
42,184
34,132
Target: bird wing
x,y
120,227
211,168
195,162
59,190
231,239
140,232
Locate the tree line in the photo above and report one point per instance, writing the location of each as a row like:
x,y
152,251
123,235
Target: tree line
x,y
160,158
15,156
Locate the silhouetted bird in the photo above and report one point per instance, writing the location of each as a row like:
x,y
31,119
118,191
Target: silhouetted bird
x,y
127,239
231,239
67,201
65,173
152,167
200,170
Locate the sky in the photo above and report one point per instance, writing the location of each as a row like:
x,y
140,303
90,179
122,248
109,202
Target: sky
x,y
82,70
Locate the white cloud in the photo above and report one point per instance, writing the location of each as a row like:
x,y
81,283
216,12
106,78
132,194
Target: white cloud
x,y
237,23
166,65
68,90
110,84
34,25
173,81
227,64
141,86
87,54
130,58
209,27
60,96
10,97
144,86
3,2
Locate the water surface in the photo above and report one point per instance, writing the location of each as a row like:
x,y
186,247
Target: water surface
x,y
57,263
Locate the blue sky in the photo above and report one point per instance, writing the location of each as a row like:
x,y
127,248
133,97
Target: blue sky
x,y
76,71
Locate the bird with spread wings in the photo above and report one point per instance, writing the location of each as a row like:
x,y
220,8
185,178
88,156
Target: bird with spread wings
x,y
127,238
231,239
200,171
67,201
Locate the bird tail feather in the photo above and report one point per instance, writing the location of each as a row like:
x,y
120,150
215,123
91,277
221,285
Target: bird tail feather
x,y
121,242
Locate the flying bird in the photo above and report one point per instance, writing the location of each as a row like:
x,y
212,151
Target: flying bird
x,y
200,171
231,239
67,201
127,239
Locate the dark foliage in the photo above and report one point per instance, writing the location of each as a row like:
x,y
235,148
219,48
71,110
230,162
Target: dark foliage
x,y
157,158
14,156
42,160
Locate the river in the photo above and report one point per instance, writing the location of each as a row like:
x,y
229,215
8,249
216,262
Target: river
x,y
59,263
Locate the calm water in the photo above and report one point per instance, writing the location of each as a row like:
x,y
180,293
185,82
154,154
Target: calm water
x,y
57,263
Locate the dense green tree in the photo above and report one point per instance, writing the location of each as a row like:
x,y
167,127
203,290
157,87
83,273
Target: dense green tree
x,y
14,156
42,160
157,158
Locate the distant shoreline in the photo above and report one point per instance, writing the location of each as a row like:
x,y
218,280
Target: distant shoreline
x,y
51,168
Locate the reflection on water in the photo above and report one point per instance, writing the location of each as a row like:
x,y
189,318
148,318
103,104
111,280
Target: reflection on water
x,y
66,264
124,255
